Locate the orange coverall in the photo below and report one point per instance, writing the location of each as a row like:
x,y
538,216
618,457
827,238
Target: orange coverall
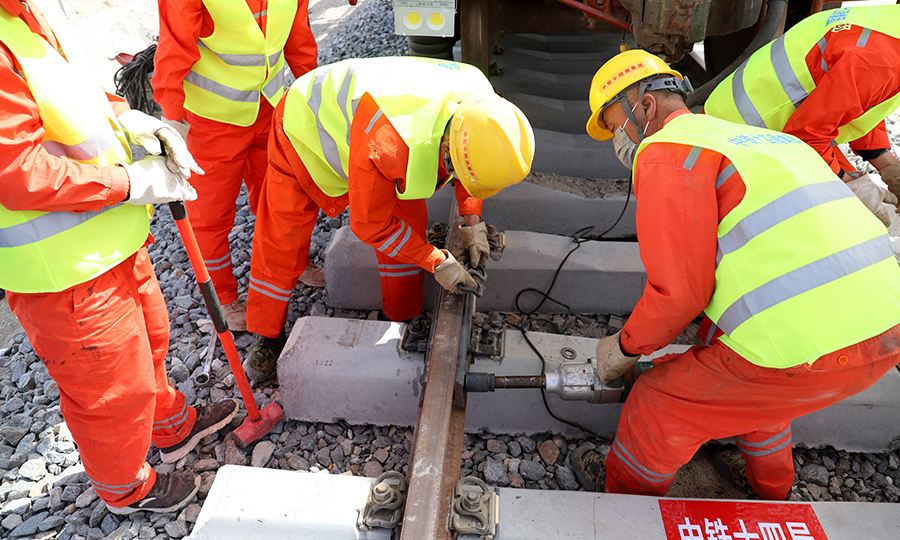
x,y
104,341
227,153
395,228
710,392
858,78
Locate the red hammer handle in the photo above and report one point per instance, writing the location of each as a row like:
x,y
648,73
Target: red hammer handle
x,y
179,212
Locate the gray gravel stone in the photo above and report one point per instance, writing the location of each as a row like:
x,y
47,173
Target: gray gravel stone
x,y
565,478
29,526
527,443
815,474
11,521
495,473
532,470
262,452
33,469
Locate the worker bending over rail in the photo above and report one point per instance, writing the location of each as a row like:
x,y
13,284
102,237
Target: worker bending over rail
x,y
751,227
218,74
379,135
74,263
832,78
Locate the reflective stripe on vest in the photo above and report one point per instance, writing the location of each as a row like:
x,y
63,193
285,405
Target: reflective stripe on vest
x,y
803,268
417,96
238,62
52,251
749,96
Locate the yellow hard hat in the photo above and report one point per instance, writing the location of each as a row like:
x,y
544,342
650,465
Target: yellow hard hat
x,y
491,144
616,75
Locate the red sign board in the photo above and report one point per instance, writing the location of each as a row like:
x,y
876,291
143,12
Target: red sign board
x,y
725,520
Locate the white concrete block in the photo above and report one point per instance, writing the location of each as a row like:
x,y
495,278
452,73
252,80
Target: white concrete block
x,y
248,503
599,277
351,369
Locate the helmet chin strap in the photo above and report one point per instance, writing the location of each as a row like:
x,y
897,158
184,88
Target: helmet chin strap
x,y
668,83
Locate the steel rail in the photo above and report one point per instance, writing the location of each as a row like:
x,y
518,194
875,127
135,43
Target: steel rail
x,y
436,453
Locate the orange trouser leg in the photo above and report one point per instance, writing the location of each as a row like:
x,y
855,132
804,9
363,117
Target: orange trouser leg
x,y
104,342
770,462
281,240
712,393
229,155
402,283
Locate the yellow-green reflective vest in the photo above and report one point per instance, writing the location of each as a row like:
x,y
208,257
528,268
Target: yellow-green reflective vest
x,y
238,62
802,267
766,89
52,251
417,95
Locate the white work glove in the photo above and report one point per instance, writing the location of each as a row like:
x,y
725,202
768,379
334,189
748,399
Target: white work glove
x,y
870,194
611,362
475,249
152,182
154,135
452,275
182,127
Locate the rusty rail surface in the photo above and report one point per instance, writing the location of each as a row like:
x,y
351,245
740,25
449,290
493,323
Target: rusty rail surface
x,y
436,453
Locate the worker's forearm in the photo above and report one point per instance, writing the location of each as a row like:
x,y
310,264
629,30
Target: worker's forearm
x,y
471,219
885,160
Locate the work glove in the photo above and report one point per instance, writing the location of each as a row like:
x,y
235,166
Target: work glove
x,y
153,135
475,249
891,176
180,126
870,194
611,362
452,275
152,182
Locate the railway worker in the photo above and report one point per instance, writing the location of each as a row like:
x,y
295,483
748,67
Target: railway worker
x,y
832,78
75,267
218,74
380,135
751,227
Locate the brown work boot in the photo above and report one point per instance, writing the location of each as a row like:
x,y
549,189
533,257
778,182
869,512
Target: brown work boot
x,y
313,275
210,419
235,316
589,467
731,464
170,492
261,365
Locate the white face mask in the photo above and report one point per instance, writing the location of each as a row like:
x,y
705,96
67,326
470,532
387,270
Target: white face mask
x,y
625,147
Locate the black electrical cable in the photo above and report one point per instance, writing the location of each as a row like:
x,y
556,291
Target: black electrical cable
x,y
579,237
132,81
572,423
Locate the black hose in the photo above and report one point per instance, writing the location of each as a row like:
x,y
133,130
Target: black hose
x,y
133,81
774,14
578,237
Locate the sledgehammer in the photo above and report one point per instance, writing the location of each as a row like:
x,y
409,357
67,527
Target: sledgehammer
x,y
258,423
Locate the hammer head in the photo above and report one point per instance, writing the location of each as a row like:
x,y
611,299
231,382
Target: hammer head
x,y
251,430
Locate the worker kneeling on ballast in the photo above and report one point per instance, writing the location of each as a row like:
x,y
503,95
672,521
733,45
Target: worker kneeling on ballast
x,y
380,135
751,227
